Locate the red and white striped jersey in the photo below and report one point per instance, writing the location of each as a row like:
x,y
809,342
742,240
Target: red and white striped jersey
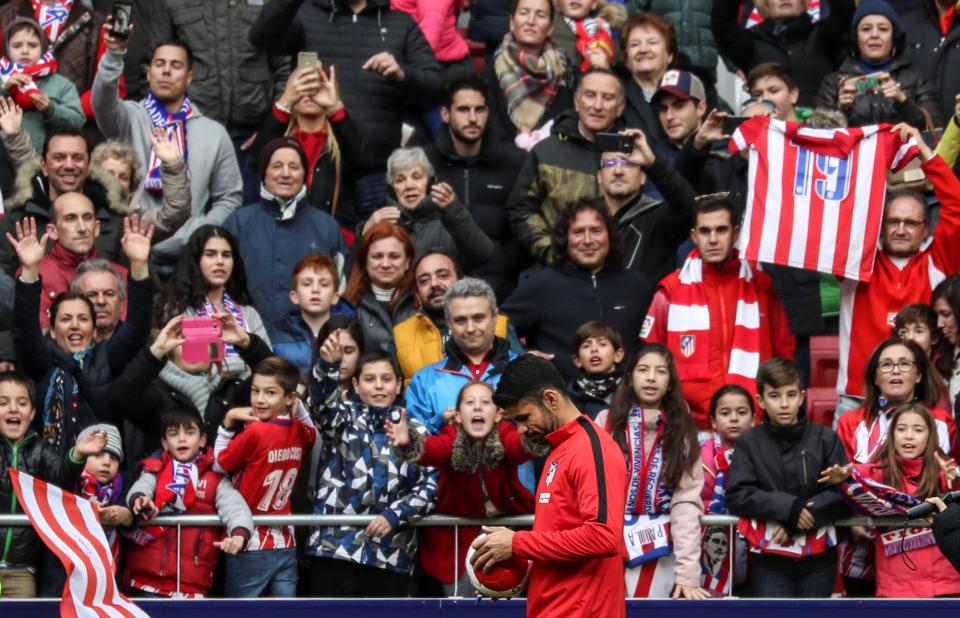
x,y
815,196
264,461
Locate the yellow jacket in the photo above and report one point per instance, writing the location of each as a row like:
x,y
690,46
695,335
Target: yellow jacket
x,y
419,343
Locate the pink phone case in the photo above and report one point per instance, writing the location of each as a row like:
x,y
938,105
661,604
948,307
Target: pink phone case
x,y
203,343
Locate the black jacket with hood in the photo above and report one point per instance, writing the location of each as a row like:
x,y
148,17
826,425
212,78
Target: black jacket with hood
x,y
347,40
32,200
483,184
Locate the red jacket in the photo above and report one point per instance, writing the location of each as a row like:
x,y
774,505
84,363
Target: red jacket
x,y
721,287
576,544
854,433
868,308
932,574
153,567
57,269
461,494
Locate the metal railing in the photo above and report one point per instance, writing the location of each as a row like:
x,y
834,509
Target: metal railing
x,y
516,521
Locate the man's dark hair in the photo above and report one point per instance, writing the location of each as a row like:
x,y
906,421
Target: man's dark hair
x,y
62,131
376,356
63,297
174,43
908,193
515,4
463,80
598,71
439,251
771,69
286,374
175,418
714,203
525,378
18,377
615,256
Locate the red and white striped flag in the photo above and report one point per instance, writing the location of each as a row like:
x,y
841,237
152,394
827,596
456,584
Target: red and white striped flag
x,y
815,196
69,526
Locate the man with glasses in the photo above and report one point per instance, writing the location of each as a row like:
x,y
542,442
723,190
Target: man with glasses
x,y
650,229
908,266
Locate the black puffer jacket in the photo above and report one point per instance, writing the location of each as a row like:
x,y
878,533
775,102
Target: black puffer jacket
x,y
21,545
347,41
934,55
874,108
811,50
946,529
452,230
483,183
549,306
40,357
775,469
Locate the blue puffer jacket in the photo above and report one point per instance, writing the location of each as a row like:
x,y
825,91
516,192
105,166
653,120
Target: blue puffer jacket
x,y
271,246
434,388
293,340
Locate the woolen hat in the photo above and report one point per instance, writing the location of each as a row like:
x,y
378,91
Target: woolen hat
x,y
273,146
114,443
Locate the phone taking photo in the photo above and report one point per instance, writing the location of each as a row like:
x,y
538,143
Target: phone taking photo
x,y
307,60
120,25
614,142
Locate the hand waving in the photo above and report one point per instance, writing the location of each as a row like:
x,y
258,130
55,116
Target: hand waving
x,y
328,96
399,432
30,250
11,116
137,237
165,147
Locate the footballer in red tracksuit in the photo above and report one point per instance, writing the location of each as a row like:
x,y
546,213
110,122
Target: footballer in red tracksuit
x,y
576,544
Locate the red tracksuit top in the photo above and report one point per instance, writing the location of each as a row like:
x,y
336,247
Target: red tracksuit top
x,y
576,544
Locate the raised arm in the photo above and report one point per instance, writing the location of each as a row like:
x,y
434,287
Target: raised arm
x,y
28,340
109,111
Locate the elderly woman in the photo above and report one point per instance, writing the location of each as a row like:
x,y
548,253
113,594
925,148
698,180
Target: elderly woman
x,y
649,44
120,159
432,215
530,76
895,91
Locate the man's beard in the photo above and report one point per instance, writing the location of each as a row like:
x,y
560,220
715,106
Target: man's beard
x,y
536,445
467,140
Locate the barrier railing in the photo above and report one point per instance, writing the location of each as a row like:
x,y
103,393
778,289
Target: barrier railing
x,y
516,521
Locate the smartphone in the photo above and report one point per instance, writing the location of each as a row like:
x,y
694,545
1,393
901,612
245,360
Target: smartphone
x,y
732,123
203,340
867,83
614,142
120,26
307,60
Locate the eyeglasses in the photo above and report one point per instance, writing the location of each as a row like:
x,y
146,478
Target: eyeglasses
x,y
892,222
886,366
612,163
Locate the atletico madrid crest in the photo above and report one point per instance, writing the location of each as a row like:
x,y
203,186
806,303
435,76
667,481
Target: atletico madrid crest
x,y
688,345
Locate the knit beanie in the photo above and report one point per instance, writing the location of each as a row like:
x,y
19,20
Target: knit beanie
x,y
272,147
114,443
875,7
21,21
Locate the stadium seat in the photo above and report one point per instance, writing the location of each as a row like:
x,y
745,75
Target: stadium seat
x,y
824,360
478,51
821,404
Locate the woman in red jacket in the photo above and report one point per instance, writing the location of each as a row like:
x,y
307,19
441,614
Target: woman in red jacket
x,y
907,470
477,457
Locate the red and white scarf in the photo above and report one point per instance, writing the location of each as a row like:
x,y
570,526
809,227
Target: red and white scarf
x,y
688,326
103,494
176,491
45,66
52,17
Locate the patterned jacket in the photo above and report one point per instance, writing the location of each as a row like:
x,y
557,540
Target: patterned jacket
x,y
360,474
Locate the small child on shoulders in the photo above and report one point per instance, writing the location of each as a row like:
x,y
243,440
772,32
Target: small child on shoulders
x,y
28,74
593,36
477,458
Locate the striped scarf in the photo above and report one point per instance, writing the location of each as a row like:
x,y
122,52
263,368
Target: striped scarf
x,y
688,326
646,492
52,18
175,127
103,494
44,67
529,82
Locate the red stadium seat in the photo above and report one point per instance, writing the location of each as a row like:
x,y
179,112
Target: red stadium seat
x,y
824,360
478,51
821,404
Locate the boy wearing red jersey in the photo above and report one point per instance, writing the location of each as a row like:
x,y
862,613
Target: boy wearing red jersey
x,y
264,459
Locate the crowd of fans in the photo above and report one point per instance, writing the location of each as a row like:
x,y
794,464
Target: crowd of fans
x,y
373,225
